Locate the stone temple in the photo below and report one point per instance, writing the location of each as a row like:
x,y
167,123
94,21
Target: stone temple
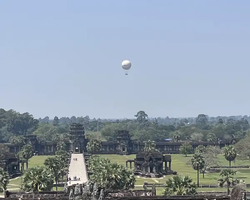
x,y
77,173
151,164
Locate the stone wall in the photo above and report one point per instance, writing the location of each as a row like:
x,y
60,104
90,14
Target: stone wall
x,y
118,195
135,198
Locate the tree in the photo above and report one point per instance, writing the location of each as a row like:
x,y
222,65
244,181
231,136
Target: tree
x,y
21,124
211,137
37,179
200,149
4,150
230,153
62,153
61,146
26,153
47,133
198,163
220,121
4,155
178,185
227,178
210,155
63,156
109,131
242,147
149,145
202,121
196,137
110,175
56,165
4,180
186,148
141,116
18,141
94,146
177,136
55,121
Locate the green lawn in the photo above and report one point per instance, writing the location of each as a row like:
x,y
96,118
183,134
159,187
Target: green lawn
x,y
179,164
15,183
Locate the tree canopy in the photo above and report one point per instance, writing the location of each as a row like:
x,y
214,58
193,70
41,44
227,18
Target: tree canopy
x,y
14,126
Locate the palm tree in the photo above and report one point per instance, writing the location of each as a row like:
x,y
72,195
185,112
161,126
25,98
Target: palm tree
x,y
18,142
178,185
109,175
177,137
149,145
37,179
94,145
119,178
25,154
211,137
198,163
4,180
200,149
56,166
227,177
63,155
61,145
230,153
22,161
186,148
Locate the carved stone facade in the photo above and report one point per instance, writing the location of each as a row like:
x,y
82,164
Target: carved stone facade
x,y
77,138
123,144
11,165
151,164
119,195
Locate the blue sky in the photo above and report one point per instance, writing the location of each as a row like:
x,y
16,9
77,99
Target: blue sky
x,y
64,57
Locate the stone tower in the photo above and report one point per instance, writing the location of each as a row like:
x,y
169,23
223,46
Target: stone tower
x,y
77,138
124,142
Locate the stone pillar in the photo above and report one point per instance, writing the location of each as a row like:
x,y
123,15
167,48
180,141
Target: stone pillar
x,y
143,170
126,164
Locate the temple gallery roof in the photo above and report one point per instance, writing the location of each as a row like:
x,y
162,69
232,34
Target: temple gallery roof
x,y
151,153
123,134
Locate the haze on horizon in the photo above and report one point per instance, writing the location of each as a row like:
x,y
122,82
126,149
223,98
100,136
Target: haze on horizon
x,y
63,58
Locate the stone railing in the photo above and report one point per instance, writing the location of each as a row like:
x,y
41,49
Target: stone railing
x,y
197,197
232,167
130,193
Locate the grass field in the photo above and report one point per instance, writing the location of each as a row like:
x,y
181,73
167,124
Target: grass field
x,y
179,164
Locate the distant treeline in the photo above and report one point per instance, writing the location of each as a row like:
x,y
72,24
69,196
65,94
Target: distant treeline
x,y
160,120
142,127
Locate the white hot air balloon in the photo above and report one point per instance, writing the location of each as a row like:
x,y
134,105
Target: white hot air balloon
x,y
126,65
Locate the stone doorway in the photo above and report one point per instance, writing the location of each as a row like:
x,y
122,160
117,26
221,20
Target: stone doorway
x,y
151,169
